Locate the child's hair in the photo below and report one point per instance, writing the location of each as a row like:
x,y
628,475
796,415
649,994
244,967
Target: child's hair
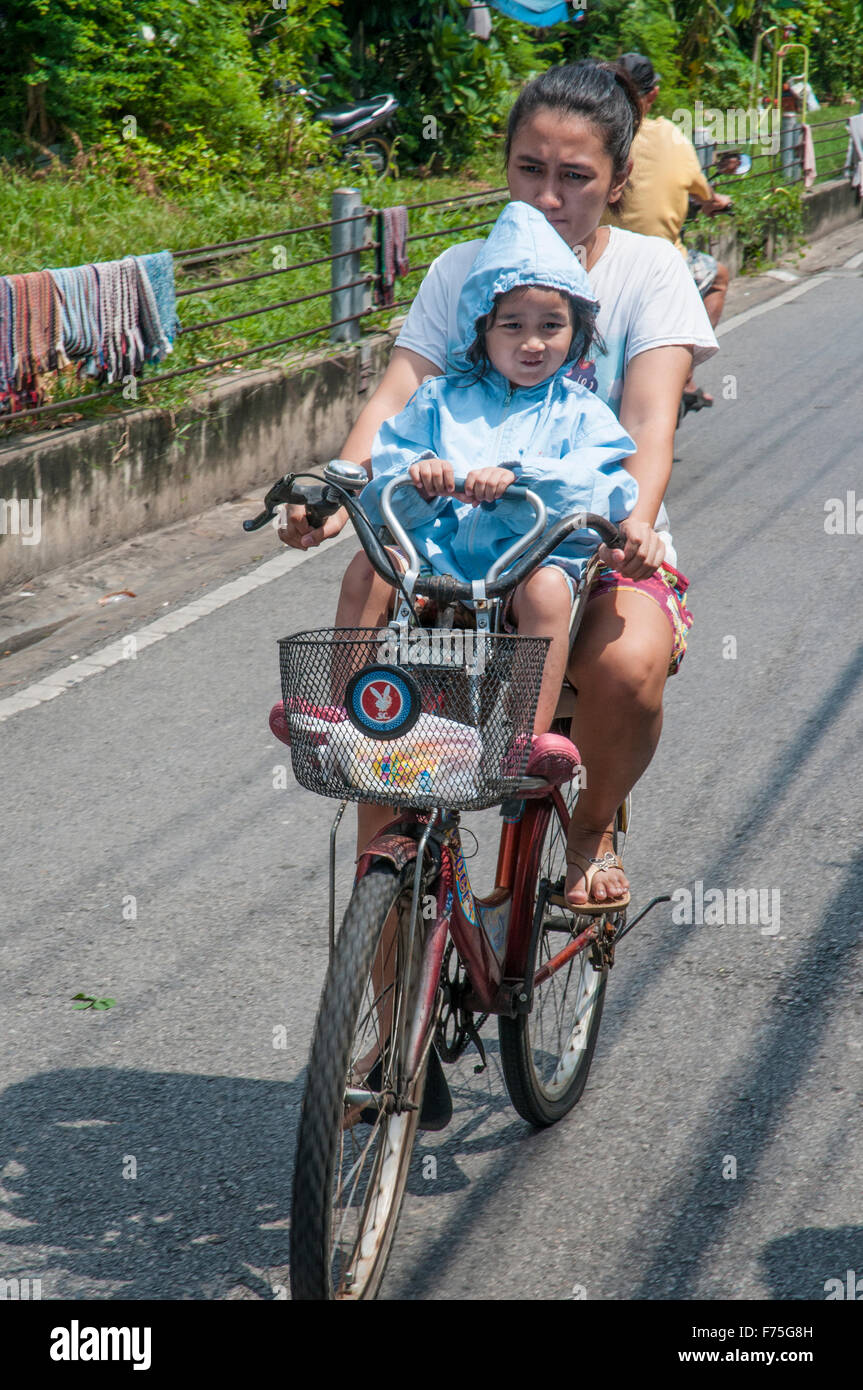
x,y
585,335
601,93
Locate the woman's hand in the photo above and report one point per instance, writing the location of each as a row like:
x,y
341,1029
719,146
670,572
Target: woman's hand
x,y
292,527
643,555
433,477
487,484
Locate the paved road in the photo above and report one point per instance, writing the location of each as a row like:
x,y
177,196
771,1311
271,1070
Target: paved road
x,y
147,1149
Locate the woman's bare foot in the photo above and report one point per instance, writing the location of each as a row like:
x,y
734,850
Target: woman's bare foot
x,y
608,884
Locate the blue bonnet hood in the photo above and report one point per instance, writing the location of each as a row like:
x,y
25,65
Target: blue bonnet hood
x,y
522,249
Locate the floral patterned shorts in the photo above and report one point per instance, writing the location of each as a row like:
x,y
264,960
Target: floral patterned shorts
x,y
666,588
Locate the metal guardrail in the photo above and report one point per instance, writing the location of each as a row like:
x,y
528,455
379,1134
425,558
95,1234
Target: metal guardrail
x,y
784,166
350,285
349,290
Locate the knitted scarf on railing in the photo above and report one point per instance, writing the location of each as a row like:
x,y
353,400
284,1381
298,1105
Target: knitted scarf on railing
x,y
79,288
110,318
114,318
31,338
122,347
392,251
157,270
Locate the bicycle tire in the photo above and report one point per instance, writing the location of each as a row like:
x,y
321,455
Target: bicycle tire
x,y
546,1068
321,1266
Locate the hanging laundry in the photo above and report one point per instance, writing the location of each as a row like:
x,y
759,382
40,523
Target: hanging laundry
x,y
157,270
854,157
31,338
539,13
79,289
117,315
478,22
392,251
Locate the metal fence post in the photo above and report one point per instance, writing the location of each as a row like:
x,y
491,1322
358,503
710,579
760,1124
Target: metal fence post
x,y
346,238
791,156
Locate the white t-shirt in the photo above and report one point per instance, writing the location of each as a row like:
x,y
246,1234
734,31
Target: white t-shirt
x,y
647,299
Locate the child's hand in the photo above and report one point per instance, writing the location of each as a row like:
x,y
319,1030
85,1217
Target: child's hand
x,y
487,484
433,477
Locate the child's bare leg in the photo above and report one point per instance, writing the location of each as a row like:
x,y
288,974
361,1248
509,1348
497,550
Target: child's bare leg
x,y
541,607
365,598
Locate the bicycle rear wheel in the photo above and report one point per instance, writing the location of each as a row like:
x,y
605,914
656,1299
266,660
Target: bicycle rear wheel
x,y
353,1157
546,1054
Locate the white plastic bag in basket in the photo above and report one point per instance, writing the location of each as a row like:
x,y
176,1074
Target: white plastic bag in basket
x,y
437,757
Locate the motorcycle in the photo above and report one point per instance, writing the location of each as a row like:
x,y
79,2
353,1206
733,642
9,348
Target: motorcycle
x,y
351,125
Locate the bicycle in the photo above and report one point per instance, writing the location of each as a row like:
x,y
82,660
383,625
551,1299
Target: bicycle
x,y
421,962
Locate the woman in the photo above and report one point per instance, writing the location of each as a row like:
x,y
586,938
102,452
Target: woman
x,y
567,154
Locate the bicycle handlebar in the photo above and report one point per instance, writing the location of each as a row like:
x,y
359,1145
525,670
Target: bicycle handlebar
x,y
322,501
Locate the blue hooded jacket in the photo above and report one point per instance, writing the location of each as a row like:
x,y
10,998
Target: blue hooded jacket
x,y
556,437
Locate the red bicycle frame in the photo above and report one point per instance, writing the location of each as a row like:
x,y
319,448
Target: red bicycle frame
x,y
492,934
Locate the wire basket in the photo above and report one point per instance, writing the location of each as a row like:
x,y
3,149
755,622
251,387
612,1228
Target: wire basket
x,y
431,717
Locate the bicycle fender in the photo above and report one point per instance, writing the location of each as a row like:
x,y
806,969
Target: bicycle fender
x,y
399,850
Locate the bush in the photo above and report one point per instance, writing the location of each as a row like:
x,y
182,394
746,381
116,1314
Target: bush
x,y
756,214
85,65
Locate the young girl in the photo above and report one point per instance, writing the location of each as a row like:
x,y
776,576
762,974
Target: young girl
x,y
526,314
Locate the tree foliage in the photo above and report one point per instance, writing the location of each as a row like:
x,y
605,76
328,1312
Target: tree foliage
x,y
198,78
84,65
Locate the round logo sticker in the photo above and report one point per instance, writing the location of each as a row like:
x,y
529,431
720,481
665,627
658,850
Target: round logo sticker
x,y
383,701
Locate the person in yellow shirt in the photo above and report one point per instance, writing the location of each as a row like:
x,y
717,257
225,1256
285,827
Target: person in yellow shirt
x,y
666,173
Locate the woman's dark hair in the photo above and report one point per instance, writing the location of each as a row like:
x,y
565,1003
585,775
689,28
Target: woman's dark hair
x,y
601,93
585,336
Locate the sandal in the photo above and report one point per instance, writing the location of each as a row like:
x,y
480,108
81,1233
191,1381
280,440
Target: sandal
x,y
590,868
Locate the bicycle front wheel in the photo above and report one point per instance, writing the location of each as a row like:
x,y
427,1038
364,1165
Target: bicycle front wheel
x,y
357,1128
546,1054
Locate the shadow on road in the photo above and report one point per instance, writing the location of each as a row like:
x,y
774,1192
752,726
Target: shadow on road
x,y
214,1158
801,1264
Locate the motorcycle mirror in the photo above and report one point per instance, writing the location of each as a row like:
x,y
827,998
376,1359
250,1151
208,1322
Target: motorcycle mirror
x,y
733,164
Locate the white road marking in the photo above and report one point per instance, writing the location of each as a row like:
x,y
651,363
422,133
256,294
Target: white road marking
x,y
58,682
854,263
769,304
787,275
